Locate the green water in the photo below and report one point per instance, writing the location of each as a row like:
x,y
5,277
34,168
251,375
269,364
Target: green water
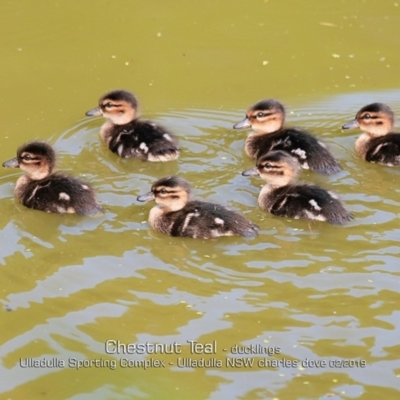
x,y
319,293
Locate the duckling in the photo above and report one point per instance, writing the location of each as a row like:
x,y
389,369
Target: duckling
x,y
176,214
127,135
43,190
266,118
282,197
378,144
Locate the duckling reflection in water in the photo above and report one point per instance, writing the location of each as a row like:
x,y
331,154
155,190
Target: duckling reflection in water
x,y
176,214
266,118
282,197
41,189
378,144
127,135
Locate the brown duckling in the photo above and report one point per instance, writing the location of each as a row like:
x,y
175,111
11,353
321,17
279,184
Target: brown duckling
x,y
127,135
282,197
176,214
266,118
378,143
43,190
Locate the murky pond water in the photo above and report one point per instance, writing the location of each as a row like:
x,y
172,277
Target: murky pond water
x,y
297,313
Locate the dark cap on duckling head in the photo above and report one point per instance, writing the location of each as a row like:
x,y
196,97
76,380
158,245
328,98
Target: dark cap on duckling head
x,y
278,156
268,105
264,111
371,114
278,168
166,186
118,95
275,158
271,160
107,102
33,153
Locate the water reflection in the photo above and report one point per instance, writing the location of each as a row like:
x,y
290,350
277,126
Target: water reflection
x,y
318,293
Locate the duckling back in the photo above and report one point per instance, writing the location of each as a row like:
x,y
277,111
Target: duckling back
x,y
58,193
204,220
309,151
304,202
177,215
141,139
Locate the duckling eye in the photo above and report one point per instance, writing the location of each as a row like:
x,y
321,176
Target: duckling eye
x,y
163,191
109,105
367,116
267,165
260,115
27,157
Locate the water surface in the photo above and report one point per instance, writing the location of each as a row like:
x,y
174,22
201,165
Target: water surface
x,y
319,292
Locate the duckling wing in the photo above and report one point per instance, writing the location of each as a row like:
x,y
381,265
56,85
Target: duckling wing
x,y
207,220
310,152
145,140
308,202
61,194
384,150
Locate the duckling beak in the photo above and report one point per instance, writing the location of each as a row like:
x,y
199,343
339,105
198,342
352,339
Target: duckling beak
x,y
146,197
251,171
242,124
96,112
351,125
13,163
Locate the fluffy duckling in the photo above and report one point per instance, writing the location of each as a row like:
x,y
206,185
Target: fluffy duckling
x,y
127,135
378,143
284,198
176,214
266,118
43,190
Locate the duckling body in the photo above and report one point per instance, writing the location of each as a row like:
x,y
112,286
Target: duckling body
x,y
127,135
282,197
177,215
266,118
378,144
43,190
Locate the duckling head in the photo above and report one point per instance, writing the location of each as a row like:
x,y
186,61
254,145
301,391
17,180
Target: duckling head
x,y
278,168
376,119
120,106
170,193
37,159
266,116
